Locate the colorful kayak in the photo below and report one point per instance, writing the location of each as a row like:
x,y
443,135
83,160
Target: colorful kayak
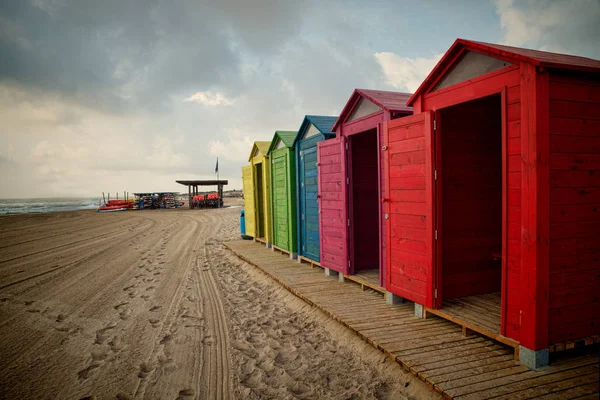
x,y
111,208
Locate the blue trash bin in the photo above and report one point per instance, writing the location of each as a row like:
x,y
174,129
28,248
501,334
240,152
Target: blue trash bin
x,y
243,226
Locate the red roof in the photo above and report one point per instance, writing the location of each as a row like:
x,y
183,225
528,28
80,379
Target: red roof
x,y
388,101
544,58
535,57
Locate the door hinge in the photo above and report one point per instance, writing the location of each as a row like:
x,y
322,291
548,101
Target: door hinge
x,y
349,264
435,174
348,221
303,216
347,180
434,125
436,234
435,293
346,145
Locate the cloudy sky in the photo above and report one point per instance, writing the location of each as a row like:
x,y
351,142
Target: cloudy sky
x,y
119,95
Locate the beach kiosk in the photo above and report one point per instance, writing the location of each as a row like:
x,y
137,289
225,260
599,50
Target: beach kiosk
x,y
492,200
351,186
257,198
314,129
283,191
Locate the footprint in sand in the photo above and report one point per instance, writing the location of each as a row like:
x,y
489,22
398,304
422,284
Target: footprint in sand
x,y
154,322
98,356
125,314
85,373
101,334
116,344
186,394
145,296
120,306
155,308
29,302
145,369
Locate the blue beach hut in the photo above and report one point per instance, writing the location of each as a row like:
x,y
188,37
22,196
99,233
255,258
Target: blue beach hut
x,y
314,129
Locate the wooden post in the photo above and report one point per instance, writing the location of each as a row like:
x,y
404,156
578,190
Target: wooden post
x,y
103,198
535,251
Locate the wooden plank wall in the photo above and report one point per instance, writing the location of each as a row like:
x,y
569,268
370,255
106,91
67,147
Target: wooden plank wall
x,y
249,204
309,206
333,217
471,179
574,206
513,208
281,223
365,200
406,158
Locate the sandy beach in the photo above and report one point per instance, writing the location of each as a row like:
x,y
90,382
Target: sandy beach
x,y
148,304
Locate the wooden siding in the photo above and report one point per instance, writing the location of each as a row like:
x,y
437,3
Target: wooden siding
x,y
469,169
308,217
512,274
331,156
249,204
409,198
279,193
574,206
262,196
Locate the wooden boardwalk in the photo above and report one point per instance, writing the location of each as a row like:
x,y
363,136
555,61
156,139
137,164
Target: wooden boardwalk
x,y
433,349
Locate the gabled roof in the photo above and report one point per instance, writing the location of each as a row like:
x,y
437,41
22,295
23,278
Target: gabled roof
x,y
287,137
263,147
388,101
514,54
324,124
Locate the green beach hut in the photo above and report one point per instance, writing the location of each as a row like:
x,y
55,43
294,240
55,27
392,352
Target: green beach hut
x,y
283,191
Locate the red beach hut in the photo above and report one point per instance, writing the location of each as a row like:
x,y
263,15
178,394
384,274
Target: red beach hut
x,y
351,185
493,196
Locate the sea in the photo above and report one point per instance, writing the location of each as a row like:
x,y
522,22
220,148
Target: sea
x,y
38,206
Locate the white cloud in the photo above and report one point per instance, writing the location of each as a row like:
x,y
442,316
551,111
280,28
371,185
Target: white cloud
x,y
209,99
523,24
557,26
405,73
236,148
163,156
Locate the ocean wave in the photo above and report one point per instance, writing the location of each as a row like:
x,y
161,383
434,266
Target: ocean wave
x,y
39,206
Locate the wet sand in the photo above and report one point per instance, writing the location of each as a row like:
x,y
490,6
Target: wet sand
x,y
148,304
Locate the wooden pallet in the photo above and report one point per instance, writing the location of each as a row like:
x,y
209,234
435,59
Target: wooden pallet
x,y
433,349
467,329
281,250
312,263
366,282
574,344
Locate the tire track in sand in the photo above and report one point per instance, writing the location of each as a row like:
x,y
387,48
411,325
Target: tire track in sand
x,y
216,380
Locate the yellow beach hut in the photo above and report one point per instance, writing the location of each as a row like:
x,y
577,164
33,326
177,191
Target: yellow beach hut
x,y
257,199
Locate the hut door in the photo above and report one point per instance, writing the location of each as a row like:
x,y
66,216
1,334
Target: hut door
x,y
309,218
408,208
249,206
333,216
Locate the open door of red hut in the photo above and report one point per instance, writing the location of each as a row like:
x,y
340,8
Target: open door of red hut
x,y
333,214
409,208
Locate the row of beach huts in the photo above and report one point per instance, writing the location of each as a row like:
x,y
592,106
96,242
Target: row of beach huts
x,y
480,191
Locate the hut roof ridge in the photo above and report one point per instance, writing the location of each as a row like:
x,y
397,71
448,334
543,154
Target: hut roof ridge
x,y
387,100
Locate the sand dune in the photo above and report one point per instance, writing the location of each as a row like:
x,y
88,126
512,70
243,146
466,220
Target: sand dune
x,y
148,304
